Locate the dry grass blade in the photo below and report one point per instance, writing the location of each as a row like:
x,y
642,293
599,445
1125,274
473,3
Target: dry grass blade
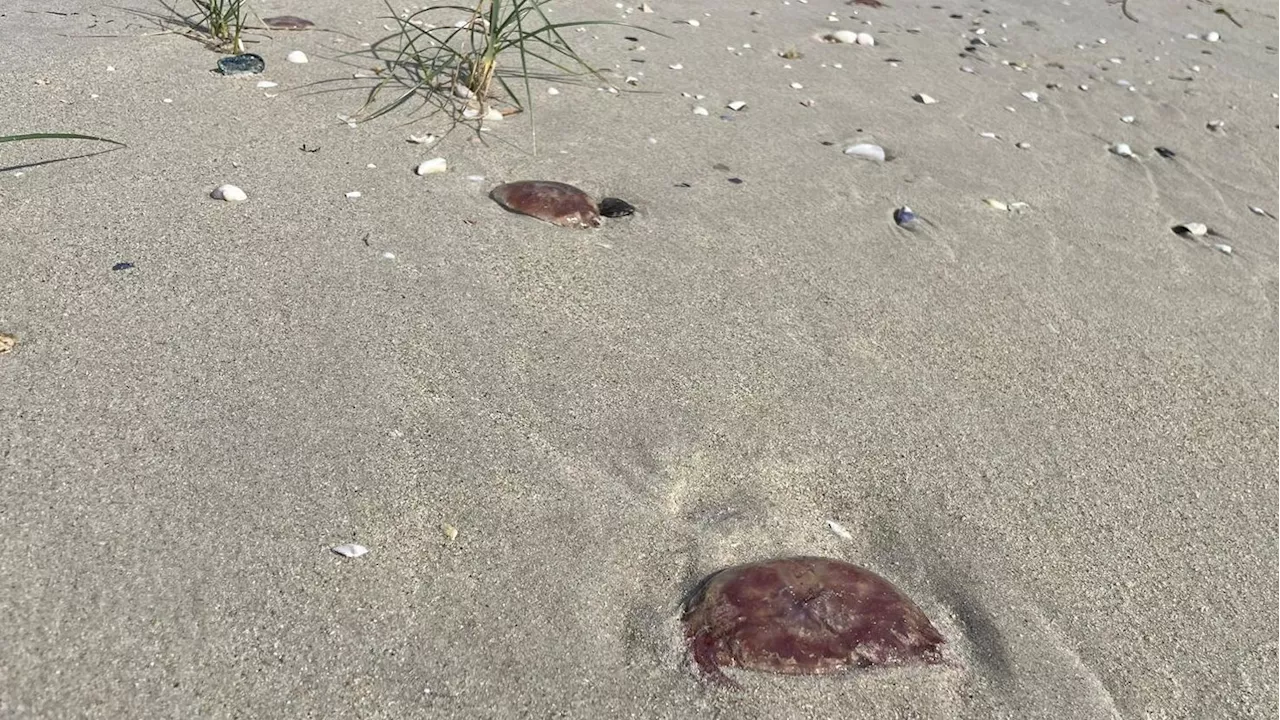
x,y
57,136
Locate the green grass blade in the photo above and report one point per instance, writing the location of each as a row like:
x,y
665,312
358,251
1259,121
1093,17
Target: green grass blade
x,y
58,136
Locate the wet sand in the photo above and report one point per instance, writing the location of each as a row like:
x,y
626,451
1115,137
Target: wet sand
x,y
1055,429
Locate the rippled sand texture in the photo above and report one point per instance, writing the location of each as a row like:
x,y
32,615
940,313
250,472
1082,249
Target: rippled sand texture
x,y
1053,428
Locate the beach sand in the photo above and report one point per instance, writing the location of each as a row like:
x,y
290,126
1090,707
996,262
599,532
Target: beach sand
x,y
1054,428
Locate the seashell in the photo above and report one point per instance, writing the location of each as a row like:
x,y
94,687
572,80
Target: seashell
x,y
796,86
243,64
694,23
848,37
1260,211
644,8
450,532
1193,229
805,616
699,110
1215,125
924,99
736,105
463,92
990,136
264,84
1223,248
1165,152
865,39
288,22
1122,149
297,56
1212,36
1023,145
866,151
554,202
997,204
423,139
492,114
353,194
351,550
7,342
552,91
1128,119
1032,95
612,207
677,66
632,80
839,530
228,193
904,217
432,166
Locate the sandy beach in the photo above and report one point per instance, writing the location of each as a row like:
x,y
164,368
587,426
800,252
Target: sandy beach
x,y
1053,426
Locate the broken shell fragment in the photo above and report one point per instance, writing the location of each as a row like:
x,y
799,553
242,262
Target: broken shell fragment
x,y
1032,95
554,202
243,64
904,217
1122,149
736,105
612,207
1223,248
847,37
924,99
228,193
297,56
7,342
1193,229
866,151
805,616
351,550
865,39
432,166
1000,205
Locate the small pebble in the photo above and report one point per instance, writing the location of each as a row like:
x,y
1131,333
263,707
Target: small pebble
x,y
122,266
297,56
432,166
228,193
351,550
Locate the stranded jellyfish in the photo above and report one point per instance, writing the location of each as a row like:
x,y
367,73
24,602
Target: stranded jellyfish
x,y
805,616
287,22
554,202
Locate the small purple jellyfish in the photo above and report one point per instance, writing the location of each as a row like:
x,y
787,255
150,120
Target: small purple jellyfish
x,y
553,202
288,22
805,616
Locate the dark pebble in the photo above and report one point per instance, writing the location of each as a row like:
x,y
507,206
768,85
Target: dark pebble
x,y
122,266
1165,152
736,181
612,207
246,64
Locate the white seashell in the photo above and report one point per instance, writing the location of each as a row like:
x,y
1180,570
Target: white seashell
x,y
229,193
632,80
353,194
736,105
492,114
924,99
1031,95
1023,145
694,23
807,102
471,113
423,139
1129,119
796,86
1193,229
266,84
388,255
297,56
1018,206
1259,211
644,8
839,530
462,91
997,204
990,136
552,91
1122,149
865,39
1084,87
967,69
351,550
866,151
1215,125
1212,36
1223,248
847,37
699,110
1191,36
677,66
432,166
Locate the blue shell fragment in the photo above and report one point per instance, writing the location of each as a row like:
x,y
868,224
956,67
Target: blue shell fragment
x,y
245,64
904,217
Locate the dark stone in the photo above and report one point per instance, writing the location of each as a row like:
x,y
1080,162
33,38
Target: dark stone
x,y
1165,152
122,266
612,207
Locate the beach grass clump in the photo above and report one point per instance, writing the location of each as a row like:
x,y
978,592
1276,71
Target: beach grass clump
x,y
463,58
223,21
